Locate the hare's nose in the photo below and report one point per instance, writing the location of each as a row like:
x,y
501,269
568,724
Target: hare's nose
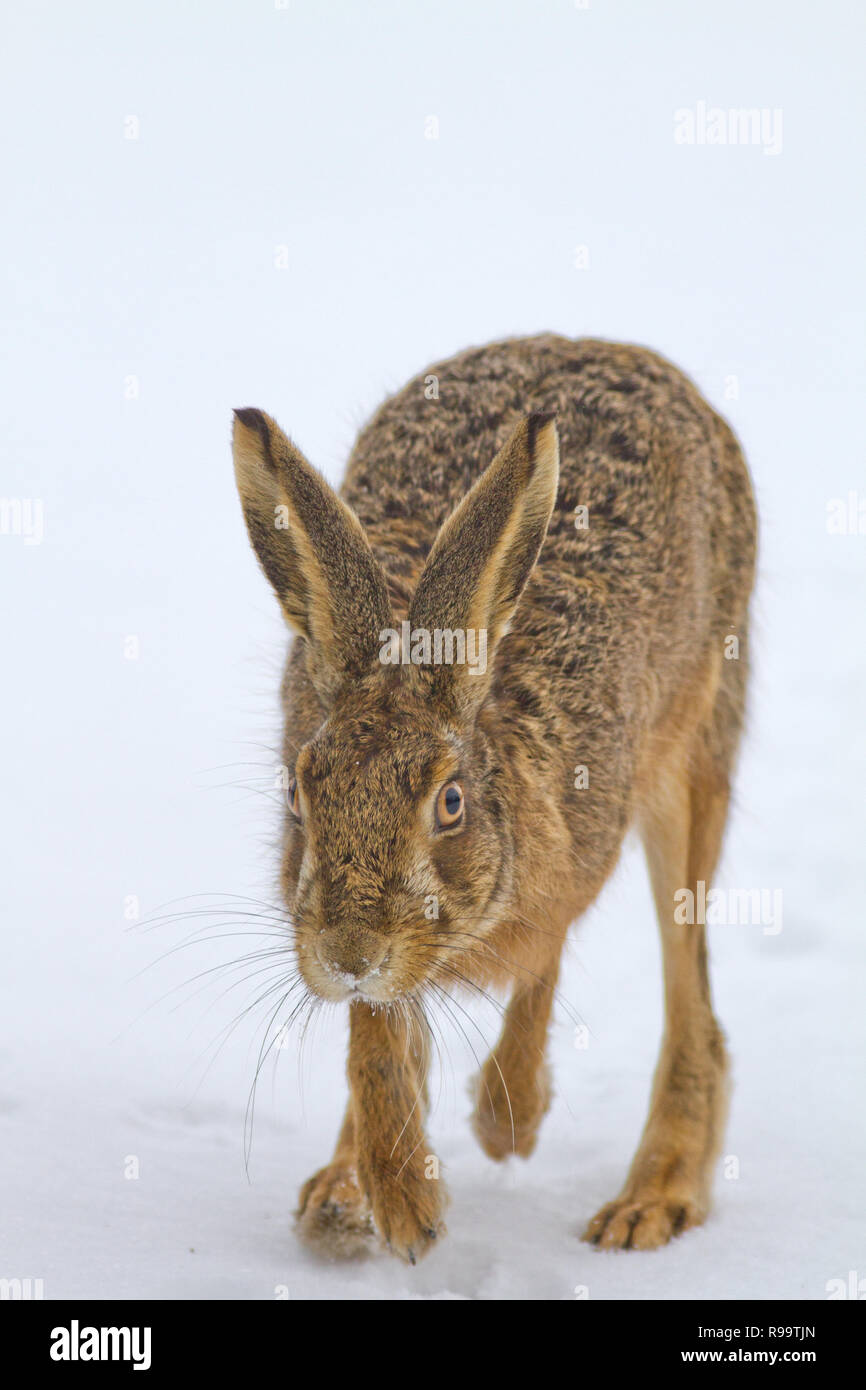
x,y
355,953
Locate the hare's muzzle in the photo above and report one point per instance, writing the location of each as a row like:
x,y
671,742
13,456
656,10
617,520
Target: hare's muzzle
x,y
351,956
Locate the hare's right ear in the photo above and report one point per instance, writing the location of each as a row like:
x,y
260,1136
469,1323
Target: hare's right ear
x,y
314,551
483,557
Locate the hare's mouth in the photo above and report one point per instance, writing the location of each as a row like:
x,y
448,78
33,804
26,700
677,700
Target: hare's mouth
x,y
376,985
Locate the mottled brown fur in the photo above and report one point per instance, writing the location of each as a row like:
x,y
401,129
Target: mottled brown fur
x,y
614,660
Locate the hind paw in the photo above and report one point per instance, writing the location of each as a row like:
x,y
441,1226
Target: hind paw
x,y
641,1224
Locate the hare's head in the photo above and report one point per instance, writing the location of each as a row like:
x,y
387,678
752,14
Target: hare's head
x,y
401,844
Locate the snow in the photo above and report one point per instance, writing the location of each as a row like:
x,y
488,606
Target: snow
x,y
150,776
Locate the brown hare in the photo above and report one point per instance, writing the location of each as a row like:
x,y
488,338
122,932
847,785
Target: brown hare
x,y
513,642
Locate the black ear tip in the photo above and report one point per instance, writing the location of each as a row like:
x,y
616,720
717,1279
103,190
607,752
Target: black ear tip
x,y
536,422
252,418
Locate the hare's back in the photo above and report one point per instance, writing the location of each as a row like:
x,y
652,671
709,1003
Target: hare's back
x,y
653,488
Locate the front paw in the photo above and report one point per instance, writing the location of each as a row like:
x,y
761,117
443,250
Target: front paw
x,y
407,1206
508,1112
333,1215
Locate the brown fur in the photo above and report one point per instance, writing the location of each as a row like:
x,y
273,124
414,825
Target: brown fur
x,y
614,660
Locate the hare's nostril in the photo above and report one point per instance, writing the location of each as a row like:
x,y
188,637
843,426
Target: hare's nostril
x,y
351,958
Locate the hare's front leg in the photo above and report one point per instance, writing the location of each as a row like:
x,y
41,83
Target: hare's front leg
x,y
512,1091
382,1179
333,1214
668,1186
397,1173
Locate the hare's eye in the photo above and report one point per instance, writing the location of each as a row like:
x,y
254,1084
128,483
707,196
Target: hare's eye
x,y
294,798
449,806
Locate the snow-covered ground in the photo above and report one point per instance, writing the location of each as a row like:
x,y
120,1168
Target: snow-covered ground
x,y
145,297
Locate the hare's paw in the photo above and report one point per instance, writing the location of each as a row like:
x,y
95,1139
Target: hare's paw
x,y
333,1215
509,1109
407,1209
635,1224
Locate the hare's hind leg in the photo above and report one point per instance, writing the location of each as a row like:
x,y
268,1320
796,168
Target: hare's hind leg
x,y
669,1183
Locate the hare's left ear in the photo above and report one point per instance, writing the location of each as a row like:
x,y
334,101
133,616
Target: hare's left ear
x,y
484,554
314,551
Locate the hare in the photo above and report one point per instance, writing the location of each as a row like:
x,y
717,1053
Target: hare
x,y
513,642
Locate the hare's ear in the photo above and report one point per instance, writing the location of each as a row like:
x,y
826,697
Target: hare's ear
x,y
314,551
482,558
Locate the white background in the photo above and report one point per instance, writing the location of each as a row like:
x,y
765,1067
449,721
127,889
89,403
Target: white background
x,y
156,259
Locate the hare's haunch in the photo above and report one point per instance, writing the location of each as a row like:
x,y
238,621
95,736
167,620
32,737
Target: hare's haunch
x,y
520,629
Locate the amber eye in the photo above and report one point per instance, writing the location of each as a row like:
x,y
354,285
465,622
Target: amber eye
x,y
449,806
294,799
